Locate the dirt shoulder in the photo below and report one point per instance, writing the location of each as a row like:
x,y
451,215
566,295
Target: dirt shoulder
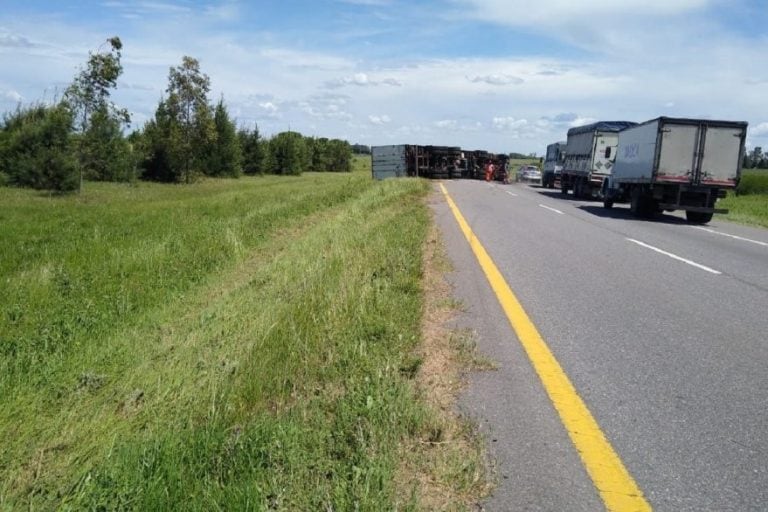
x,y
448,468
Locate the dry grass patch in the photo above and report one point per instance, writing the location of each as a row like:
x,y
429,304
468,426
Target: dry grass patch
x,y
446,467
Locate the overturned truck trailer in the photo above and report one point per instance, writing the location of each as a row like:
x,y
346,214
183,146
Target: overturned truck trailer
x,y
408,160
396,161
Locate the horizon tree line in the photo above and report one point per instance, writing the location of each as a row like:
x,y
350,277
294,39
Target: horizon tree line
x,y
59,145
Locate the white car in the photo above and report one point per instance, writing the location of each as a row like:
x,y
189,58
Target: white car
x,y
529,173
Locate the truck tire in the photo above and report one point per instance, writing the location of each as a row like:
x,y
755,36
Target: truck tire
x,y
698,217
640,204
607,204
578,193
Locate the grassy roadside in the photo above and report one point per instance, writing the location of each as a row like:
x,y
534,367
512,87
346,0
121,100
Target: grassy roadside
x,y
750,205
751,210
232,345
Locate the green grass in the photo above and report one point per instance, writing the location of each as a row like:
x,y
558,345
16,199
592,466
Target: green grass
x,y
749,204
751,210
361,163
237,345
753,181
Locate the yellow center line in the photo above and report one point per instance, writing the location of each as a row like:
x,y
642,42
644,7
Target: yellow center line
x,y
616,486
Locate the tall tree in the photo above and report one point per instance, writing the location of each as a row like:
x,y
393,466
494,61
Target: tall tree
x,y
254,150
319,155
288,153
192,128
339,156
105,153
154,146
225,157
88,98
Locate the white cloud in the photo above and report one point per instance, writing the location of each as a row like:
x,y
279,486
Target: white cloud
x,y
581,121
361,80
326,107
564,12
268,106
447,123
509,123
13,96
379,120
15,41
308,60
496,79
759,130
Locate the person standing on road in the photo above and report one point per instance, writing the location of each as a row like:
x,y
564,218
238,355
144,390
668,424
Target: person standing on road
x,y
488,171
505,173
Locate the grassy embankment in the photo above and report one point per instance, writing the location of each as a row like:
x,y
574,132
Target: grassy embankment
x,y
517,162
229,345
749,204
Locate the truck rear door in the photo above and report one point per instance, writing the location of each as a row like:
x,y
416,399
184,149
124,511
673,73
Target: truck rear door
x,y
677,160
722,155
606,144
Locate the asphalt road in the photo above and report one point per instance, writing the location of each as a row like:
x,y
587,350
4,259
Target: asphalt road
x,y
661,326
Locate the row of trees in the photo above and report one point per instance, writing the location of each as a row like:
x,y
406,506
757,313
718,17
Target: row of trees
x,y
755,159
80,137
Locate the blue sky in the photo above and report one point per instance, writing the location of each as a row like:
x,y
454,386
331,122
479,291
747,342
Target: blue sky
x,y
502,75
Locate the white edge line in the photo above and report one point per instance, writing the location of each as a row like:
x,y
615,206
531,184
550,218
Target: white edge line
x,y
674,256
511,193
551,209
731,236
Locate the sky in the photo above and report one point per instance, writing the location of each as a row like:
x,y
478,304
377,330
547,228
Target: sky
x,y
499,75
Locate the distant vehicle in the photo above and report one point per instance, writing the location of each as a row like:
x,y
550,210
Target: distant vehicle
x,y
408,160
553,164
589,156
529,173
676,164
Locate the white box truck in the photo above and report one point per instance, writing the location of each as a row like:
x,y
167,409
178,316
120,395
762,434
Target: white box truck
x,y
676,164
589,156
553,164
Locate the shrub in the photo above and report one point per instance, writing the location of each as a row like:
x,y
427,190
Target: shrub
x,y
36,150
753,182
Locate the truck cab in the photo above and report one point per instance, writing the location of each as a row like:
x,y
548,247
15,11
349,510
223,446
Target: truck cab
x,y
553,164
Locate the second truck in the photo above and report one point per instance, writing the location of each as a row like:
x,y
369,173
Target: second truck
x,y
589,156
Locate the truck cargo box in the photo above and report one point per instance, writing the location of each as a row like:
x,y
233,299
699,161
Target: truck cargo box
x,y
669,164
589,156
675,150
587,149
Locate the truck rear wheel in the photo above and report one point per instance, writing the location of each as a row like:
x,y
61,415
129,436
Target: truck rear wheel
x,y
698,217
577,188
640,205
